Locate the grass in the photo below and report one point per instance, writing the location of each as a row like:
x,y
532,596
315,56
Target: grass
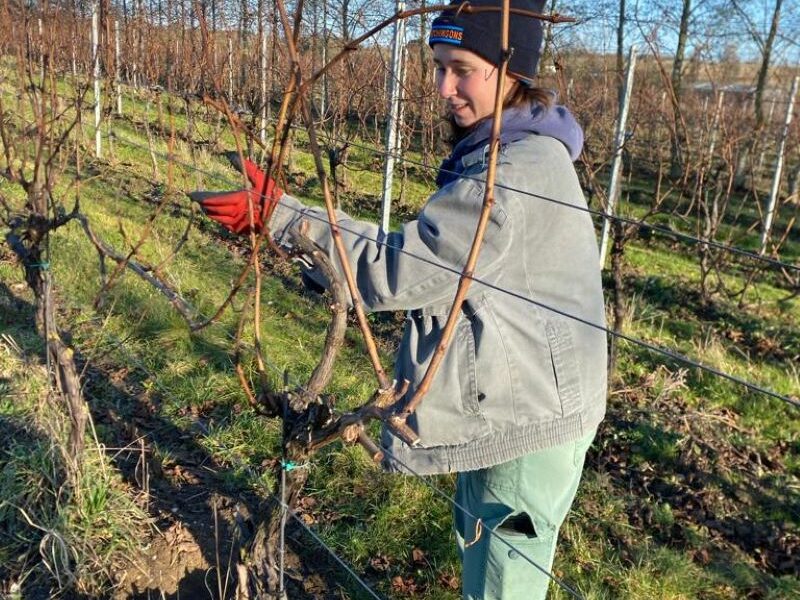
x,y
54,535
637,530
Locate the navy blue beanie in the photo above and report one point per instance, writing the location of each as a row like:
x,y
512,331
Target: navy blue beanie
x,y
480,33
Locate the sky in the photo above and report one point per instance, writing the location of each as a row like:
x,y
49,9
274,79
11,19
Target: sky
x,y
715,25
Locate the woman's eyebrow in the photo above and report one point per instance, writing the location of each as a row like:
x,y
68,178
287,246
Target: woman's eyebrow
x,y
456,62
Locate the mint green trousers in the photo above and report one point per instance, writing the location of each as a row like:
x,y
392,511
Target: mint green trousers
x,y
522,502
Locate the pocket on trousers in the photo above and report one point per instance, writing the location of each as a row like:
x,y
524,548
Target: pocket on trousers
x,y
516,565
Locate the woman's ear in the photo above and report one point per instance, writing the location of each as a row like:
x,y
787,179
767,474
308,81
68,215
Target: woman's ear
x,y
511,84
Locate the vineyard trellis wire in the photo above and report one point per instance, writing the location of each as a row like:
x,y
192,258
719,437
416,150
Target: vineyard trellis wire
x,y
391,457
278,495
678,235
255,252
667,232
364,585
639,342
297,518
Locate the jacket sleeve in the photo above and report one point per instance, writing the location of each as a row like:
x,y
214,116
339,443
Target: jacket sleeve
x,y
419,265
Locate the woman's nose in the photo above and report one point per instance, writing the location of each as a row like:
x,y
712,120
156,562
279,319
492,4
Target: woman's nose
x,y
445,85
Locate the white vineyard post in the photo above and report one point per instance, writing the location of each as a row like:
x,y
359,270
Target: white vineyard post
x,y
135,49
96,59
401,106
73,64
118,66
616,166
41,48
393,122
323,104
263,49
230,70
764,142
776,179
712,141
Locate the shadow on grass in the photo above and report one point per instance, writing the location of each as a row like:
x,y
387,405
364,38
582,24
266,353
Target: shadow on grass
x,y
190,486
24,452
687,313
732,510
189,546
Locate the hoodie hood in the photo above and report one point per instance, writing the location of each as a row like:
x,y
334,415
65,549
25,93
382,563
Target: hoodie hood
x,y
518,122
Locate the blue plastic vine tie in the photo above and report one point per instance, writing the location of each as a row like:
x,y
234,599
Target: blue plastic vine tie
x,y
288,465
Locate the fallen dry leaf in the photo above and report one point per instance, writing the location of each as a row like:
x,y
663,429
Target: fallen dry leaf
x,y
418,556
449,581
380,563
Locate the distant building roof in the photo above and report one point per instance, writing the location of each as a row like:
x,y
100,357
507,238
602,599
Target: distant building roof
x,y
741,89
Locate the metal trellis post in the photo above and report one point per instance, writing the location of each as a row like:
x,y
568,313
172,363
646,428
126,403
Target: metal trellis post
x,y
712,142
117,55
616,167
263,50
96,59
763,153
323,103
776,180
393,122
230,70
41,49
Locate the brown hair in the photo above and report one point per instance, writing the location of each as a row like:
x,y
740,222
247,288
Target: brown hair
x,y
520,94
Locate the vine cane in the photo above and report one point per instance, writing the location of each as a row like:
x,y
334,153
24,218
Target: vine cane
x,y
465,279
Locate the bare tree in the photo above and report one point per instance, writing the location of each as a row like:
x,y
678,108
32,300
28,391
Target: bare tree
x,y
676,78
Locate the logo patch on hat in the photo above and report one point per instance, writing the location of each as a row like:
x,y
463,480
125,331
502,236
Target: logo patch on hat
x,y
447,34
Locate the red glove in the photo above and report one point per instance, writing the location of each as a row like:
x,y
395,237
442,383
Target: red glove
x,y
230,208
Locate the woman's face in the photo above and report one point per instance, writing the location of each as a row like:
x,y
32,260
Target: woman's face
x,y
467,83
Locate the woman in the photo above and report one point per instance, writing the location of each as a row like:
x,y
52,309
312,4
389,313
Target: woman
x,y
522,388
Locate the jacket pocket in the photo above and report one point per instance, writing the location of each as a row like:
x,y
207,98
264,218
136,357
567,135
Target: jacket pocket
x,y
565,366
449,414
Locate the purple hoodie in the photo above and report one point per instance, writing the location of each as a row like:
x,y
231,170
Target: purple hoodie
x,y
518,122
